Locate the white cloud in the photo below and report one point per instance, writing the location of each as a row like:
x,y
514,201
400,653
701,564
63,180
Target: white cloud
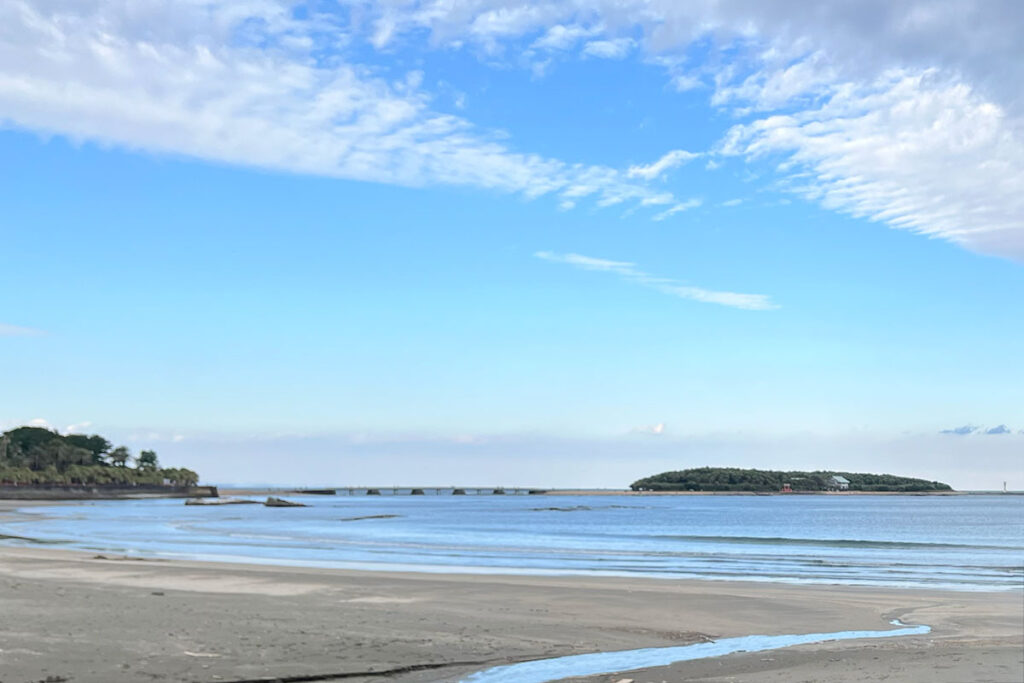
x,y
655,429
732,202
911,150
673,159
560,37
678,208
907,113
685,82
18,331
39,422
77,427
617,48
629,272
779,85
185,78
979,40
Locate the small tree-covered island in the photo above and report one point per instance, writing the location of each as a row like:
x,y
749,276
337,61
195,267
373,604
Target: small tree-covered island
x,y
761,481
33,456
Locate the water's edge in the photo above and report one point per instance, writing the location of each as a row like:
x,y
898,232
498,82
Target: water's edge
x,y
902,543
597,663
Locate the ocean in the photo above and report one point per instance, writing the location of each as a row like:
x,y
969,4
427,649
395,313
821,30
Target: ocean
x,y
949,542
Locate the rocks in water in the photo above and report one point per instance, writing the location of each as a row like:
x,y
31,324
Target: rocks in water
x,y
416,492
220,501
373,492
459,492
272,502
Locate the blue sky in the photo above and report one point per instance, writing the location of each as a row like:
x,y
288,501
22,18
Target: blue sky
x,y
529,245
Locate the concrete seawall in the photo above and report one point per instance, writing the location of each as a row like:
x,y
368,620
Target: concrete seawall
x,y
101,492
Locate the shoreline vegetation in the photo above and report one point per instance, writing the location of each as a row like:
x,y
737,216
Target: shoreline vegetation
x,y
44,464
734,479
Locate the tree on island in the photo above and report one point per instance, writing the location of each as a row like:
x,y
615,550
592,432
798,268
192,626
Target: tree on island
x,y
119,457
34,455
95,444
146,461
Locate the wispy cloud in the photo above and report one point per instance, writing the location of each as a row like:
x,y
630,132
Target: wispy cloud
x,y
678,208
629,272
248,84
911,150
907,114
968,429
656,429
961,431
673,159
560,37
609,49
18,331
77,427
912,119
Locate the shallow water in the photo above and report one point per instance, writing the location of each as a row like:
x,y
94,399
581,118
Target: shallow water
x,y
964,542
545,670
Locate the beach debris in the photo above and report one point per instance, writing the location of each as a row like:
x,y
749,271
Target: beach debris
x,y
200,654
273,502
157,593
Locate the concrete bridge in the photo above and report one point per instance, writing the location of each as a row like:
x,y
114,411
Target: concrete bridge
x,y
422,491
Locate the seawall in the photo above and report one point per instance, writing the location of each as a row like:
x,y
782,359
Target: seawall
x,y
101,492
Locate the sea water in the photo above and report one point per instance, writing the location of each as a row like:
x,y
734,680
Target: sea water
x,y
960,542
558,668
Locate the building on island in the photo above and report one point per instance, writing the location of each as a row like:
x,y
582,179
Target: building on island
x,y
838,483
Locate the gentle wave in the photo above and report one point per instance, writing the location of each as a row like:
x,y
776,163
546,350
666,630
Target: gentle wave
x,y
833,542
970,544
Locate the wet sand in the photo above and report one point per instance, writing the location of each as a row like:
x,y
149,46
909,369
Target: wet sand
x,y
85,618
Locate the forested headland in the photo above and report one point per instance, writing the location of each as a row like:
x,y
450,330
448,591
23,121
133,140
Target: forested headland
x,y
736,479
38,456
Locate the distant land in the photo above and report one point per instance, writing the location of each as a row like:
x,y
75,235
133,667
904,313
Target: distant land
x,y
717,479
56,466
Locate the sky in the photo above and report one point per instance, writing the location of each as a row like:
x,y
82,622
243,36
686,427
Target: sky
x,y
429,242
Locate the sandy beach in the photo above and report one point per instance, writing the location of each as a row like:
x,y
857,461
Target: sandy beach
x,y
101,618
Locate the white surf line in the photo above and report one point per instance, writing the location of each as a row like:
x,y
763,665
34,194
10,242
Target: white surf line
x,y
546,670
